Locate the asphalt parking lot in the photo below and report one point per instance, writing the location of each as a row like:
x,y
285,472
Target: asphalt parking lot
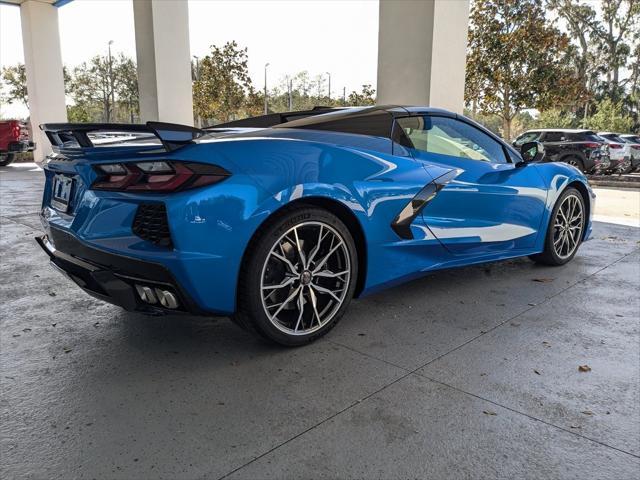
x,y
469,373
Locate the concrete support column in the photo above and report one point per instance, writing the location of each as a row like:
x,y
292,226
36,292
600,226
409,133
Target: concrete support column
x,y
43,63
164,60
422,52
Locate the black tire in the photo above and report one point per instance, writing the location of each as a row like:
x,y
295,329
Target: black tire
x,y
6,159
549,256
575,161
251,310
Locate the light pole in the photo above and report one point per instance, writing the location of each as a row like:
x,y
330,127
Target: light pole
x,y
290,90
111,93
196,73
196,77
328,73
265,88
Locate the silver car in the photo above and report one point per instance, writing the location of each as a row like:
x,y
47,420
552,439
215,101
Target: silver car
x,y
634,141
619,153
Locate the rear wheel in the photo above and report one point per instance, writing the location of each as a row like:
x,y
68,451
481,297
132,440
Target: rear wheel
x,y
298,277
6,159
565,230
576,162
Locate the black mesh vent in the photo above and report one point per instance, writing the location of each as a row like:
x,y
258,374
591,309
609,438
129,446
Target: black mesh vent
x,y
151,224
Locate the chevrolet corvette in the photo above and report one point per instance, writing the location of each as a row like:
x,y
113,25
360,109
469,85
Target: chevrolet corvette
x,y
278,221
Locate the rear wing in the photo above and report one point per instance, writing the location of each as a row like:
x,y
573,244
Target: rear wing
x,y
86,135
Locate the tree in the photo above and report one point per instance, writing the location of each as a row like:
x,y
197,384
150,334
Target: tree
x,y
306,93
366,96
15,77
578,18
554,118
223,83
94,82
489,121
126,88
609,116
105,88
619,27
515,60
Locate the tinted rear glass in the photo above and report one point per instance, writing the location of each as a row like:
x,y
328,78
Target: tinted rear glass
x,y
368,121
585,137
554,137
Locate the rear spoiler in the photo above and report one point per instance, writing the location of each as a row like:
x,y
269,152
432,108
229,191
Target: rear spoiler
x,y
171,135
271,119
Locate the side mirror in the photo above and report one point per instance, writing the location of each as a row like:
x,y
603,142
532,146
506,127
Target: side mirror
x,y
531,152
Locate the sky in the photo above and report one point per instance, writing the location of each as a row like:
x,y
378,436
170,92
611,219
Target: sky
x,y
336,36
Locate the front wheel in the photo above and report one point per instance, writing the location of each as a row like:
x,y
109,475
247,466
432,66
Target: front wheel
x,y
565,230
6,159
298,277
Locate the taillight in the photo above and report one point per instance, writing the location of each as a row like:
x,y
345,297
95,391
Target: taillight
x,y
160,176
592,145
615,146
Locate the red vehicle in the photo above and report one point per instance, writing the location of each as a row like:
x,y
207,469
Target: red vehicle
x,y
14,138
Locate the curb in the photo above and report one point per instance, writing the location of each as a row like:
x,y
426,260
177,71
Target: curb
x,y
615,182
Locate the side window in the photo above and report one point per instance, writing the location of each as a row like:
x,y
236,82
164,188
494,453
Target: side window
x,y
526,137
554,137
448,136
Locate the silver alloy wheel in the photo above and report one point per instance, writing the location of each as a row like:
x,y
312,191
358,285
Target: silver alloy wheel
x,y
305,278
568,226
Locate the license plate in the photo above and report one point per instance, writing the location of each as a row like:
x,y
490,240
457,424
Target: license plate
x,y
62,188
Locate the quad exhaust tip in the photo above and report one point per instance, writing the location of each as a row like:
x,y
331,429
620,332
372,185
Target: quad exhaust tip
x,y
154,295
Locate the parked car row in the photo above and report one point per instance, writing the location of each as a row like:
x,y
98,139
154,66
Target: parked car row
x,y
590,152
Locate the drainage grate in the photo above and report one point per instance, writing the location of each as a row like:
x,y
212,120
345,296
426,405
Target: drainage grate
x,y
151,224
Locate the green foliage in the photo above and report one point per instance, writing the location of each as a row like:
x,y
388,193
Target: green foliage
x,y
367,96
222,88
609,116
555,118
490,121
520,123
15,78
104,89
605,51
82,113
515,59
308,92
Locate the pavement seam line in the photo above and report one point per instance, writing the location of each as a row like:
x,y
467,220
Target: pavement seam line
x,y
18,223
528,415
415,371
330,417
492,328
546,300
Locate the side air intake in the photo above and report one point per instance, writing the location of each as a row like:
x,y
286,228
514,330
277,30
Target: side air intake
x,y
150,223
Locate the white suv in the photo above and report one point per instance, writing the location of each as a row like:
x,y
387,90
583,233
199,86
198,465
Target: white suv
x,y
634,141
619,153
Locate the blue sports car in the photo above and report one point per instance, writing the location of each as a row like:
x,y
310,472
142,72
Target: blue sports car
x,y
279,220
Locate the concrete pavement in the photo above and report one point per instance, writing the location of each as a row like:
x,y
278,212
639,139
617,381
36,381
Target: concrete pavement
x,y
468,373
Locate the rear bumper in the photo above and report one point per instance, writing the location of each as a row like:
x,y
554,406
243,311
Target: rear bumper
x,y
113,278
619,164
21,146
